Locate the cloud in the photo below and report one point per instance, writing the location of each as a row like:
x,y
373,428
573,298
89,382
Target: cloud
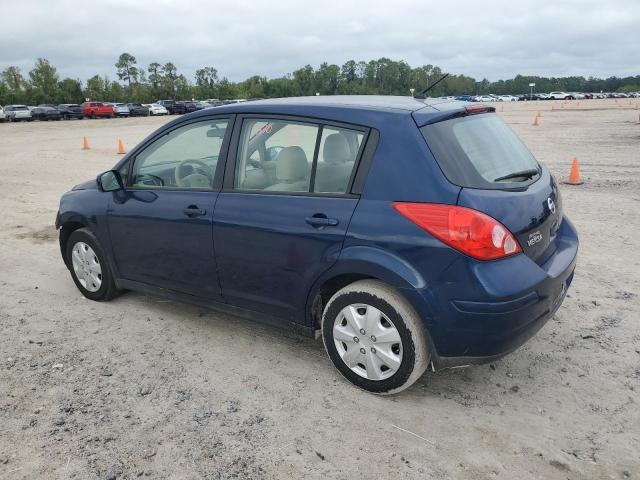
x,y
493,39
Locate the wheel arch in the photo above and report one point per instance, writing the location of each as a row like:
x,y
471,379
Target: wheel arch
x,y
359,263
67,226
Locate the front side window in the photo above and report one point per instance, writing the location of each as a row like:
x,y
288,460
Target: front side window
x,y
183,158
281,156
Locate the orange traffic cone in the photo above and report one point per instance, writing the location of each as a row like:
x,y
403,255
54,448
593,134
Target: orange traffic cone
x,y
121,149
539,114
552,108
574,175
535,121
85,143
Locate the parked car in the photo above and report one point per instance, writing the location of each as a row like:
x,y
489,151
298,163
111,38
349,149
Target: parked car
x,y
46,113
17,113
445,244
528,97
97,109
156,109
484,98
508,98
138,110
173,107
561,96
2,115
120,109
190,106
465,98
70,110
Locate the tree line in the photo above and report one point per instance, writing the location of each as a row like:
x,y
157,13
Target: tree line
x,y
136,83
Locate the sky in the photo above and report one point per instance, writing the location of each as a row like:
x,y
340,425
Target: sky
x,y
490,39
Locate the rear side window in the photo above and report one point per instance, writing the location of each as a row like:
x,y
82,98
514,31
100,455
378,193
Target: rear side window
x,y
481,151
339,149
294,156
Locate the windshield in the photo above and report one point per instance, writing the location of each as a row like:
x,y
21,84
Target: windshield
x,y
481,151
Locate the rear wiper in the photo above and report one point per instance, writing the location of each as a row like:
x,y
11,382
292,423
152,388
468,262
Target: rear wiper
x,y
522,173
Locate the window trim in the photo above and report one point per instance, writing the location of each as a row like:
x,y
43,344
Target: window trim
x,y
216,184
232,156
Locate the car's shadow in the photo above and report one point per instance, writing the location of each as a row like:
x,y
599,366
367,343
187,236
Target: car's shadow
x,y
468,386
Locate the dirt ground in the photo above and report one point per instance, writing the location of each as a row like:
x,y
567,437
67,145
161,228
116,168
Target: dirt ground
x,y
143,387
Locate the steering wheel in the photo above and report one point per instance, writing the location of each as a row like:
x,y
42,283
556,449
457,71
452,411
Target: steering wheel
x,y
193,180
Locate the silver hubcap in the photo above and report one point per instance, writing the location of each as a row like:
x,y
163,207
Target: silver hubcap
x,y
86,266
367,341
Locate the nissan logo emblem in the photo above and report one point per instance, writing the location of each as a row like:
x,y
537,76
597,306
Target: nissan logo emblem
x,y
552,206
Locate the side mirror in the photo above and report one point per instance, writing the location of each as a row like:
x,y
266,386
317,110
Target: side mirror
x,y
110,181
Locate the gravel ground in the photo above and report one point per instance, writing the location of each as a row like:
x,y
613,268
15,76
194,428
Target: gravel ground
x,y
143,387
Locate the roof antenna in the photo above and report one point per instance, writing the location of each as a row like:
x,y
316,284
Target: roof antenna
x,y
421,95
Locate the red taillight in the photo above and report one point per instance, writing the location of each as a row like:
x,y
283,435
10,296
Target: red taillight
x,y
469,231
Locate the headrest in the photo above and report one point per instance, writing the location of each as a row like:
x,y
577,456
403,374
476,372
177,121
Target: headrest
x,y
291,164
336,149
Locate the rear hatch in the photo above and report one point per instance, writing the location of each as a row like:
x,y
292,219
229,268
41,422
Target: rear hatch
x,y
499,176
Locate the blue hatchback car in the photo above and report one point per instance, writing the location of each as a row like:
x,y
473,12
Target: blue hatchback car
x,y
406,232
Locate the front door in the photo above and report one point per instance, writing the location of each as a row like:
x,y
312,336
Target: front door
x,y
161,224
282,217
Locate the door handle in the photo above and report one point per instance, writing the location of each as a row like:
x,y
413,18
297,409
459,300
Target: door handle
x,y
193,211
320,220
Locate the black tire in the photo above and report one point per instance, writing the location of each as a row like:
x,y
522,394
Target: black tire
x,y
415,347
93,115
108,288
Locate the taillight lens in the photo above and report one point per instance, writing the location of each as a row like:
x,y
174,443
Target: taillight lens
x,y
468,231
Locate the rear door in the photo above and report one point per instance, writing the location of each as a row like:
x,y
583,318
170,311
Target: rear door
x,y
532,215
282,216
500,177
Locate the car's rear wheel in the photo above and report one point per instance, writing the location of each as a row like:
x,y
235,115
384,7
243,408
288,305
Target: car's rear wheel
x,y
374,337
88,265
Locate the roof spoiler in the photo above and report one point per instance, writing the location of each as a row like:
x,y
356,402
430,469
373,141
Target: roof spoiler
x,y
428,116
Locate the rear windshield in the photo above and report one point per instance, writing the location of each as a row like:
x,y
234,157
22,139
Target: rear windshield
x,y
481,151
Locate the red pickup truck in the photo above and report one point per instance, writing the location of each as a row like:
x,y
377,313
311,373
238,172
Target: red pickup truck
x,y
97,109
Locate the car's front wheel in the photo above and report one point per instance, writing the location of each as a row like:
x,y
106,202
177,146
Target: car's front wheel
x,y
88,265
374,337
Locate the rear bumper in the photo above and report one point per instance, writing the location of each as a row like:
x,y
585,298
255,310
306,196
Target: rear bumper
x,y
511,301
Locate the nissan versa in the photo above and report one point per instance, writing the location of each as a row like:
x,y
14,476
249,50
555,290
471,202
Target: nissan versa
x,y
409,232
